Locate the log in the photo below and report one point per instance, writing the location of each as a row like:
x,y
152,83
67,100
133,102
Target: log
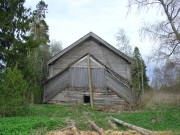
x,y
71,126
66,128
71,123
133,127
114,127
96,128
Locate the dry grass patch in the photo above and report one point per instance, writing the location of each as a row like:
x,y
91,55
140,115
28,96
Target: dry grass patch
x,y
161,97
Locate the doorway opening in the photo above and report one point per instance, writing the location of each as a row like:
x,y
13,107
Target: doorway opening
x,y
86,99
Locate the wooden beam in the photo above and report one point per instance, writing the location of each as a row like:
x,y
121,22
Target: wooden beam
x,y
90,82
136,128
114,127
96,128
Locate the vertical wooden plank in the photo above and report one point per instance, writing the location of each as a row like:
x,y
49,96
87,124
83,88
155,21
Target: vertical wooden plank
x,y
90,82
142,79
50,71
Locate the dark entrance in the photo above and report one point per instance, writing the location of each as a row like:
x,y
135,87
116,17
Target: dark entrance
x,y
86,99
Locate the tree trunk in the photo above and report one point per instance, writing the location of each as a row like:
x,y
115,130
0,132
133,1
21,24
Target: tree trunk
x,y
136,128
114,127
96,128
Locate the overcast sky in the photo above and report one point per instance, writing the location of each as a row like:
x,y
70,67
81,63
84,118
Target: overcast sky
x,y
69,20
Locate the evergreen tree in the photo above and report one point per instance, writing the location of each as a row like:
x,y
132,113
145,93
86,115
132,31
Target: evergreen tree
x,y
35,67
139,77
39,31
39,28
14,27
13,91
24,42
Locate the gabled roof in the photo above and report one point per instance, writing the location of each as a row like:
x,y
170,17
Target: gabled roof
x,y
121,78
85,38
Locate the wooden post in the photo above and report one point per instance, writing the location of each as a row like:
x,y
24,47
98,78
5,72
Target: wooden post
x,y
142,79
138,74
90,82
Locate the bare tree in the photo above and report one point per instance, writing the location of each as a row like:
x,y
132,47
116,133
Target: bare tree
x,y
123,42
55,47
165,33
166,75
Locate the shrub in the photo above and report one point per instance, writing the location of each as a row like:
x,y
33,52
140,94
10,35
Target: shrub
x,y
13,89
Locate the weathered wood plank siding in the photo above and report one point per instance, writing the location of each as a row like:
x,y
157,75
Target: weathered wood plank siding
x,y
119,88
56,85
102,98
79,77
68,81
113,95
99,51
76,78
109,99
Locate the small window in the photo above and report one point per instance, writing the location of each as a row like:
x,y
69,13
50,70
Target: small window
x,y
86,99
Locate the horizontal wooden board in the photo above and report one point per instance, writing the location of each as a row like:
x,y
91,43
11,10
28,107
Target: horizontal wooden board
x,y
76,97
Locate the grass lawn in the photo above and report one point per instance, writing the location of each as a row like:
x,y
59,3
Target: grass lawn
x,y
43,118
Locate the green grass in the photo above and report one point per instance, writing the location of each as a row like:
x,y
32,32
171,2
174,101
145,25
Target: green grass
x,y
43,118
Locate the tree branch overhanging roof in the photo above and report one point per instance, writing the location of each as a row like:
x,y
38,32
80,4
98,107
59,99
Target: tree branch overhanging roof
x,y
85,38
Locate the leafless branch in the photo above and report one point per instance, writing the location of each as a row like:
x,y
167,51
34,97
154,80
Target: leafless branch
x,y
174,48
176,14
169,4
165,33
172,10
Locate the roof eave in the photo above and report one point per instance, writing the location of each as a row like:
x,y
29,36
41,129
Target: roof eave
x,y
83,39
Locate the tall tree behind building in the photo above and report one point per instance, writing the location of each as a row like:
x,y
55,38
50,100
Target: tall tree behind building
x,y
165,33
34,69
14,28
139,77
55,47
123,42
166,75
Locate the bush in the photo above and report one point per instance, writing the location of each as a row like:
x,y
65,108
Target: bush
x,y
13,89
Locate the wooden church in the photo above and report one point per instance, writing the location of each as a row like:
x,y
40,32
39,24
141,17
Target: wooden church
x,y
90,71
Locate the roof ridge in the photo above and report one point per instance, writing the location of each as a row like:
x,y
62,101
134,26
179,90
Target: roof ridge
x,y
83,39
